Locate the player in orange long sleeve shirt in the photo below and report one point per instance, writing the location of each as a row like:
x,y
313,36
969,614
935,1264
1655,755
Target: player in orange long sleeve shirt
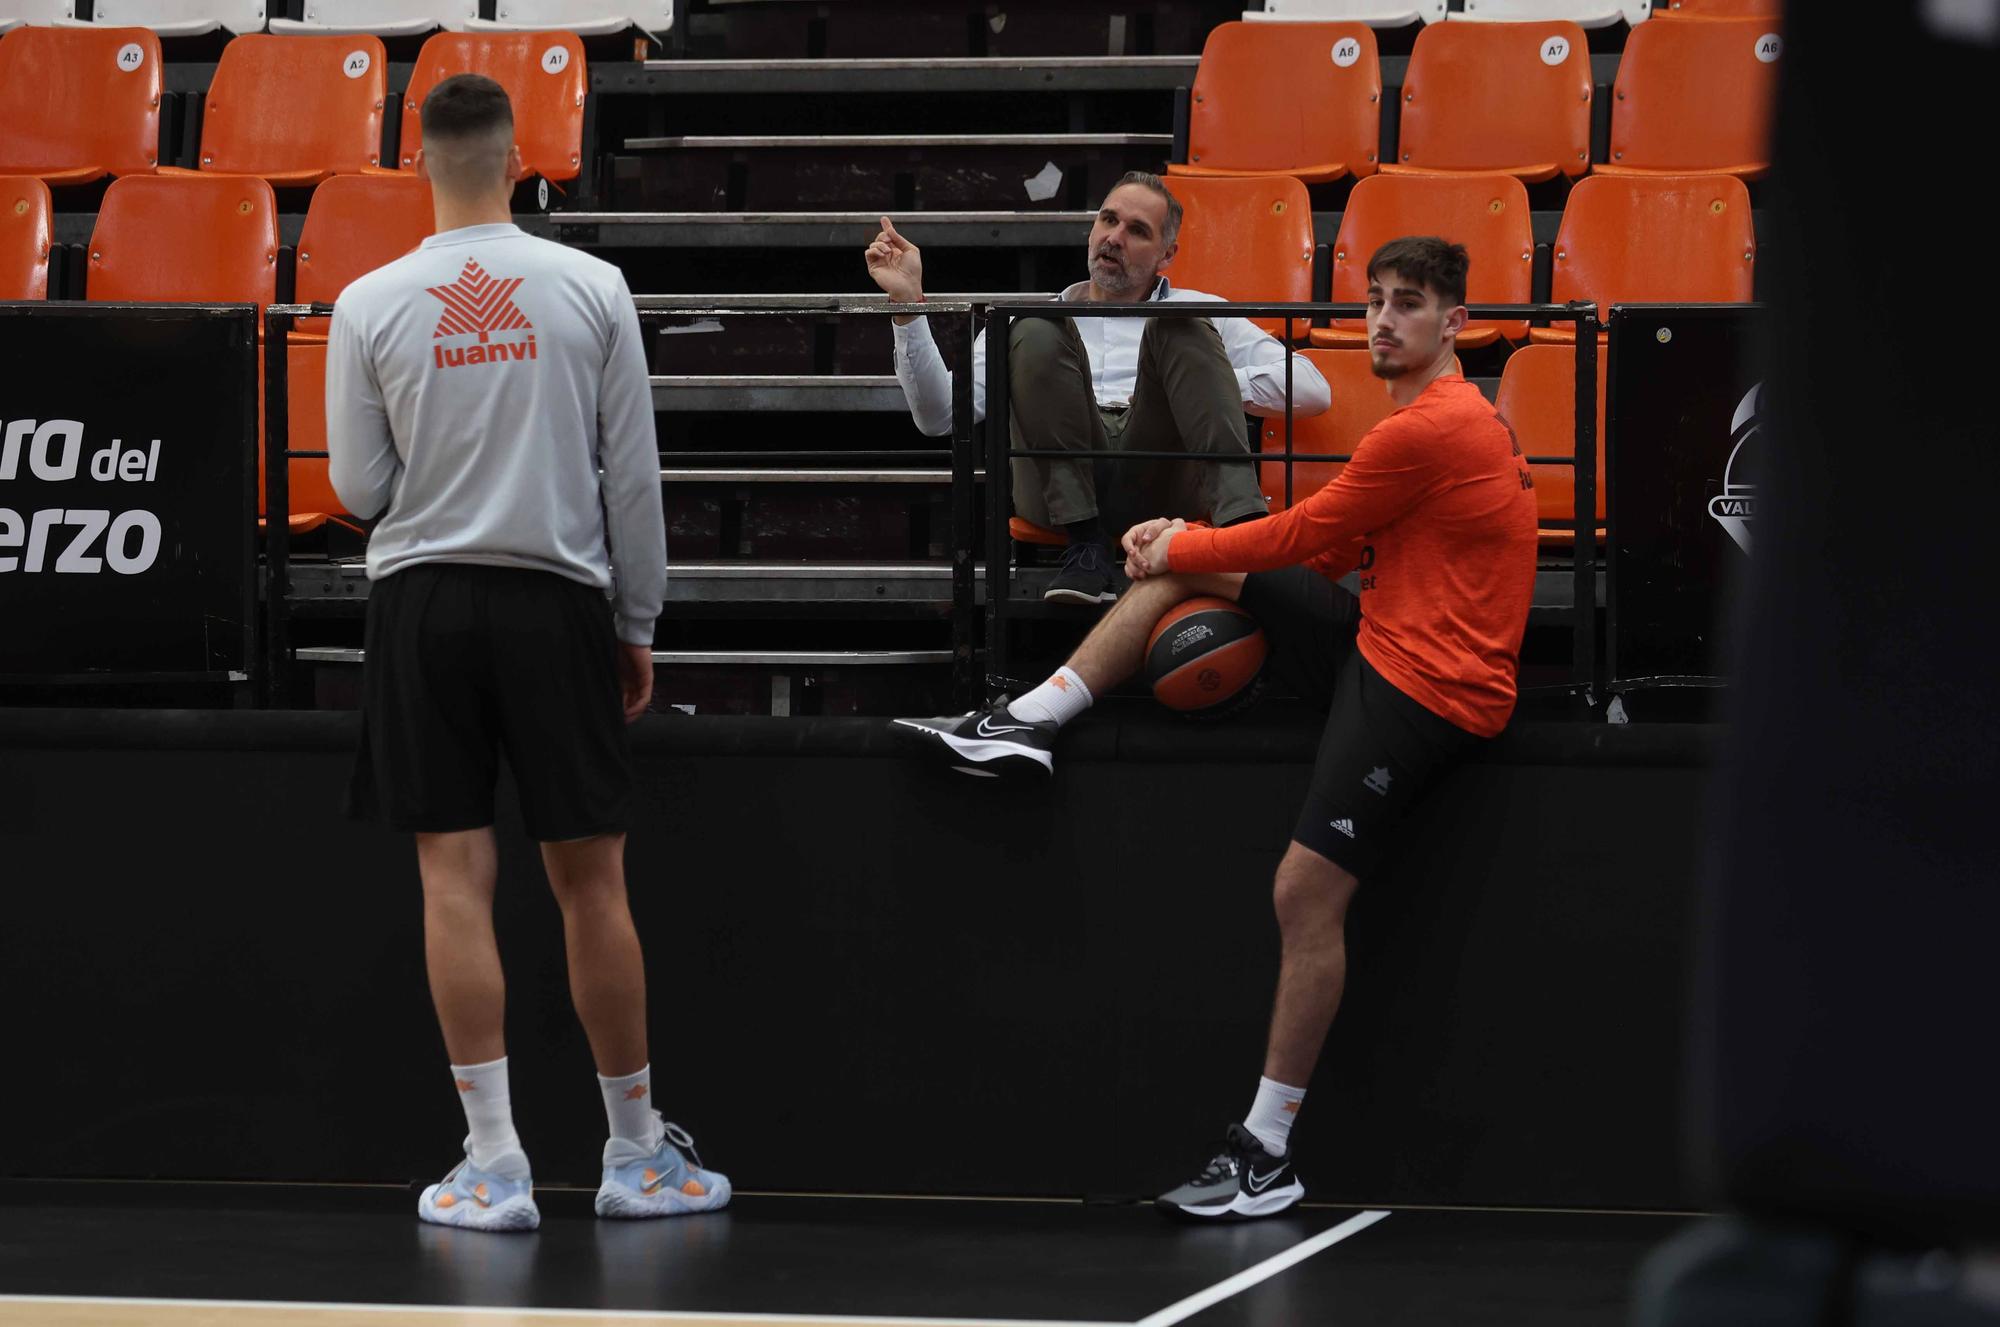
x,y
1437,514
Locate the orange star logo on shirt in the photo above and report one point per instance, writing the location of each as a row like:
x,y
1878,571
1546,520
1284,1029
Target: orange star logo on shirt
x,y
478,304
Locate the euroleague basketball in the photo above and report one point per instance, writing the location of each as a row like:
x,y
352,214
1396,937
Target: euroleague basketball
x,y
1205,657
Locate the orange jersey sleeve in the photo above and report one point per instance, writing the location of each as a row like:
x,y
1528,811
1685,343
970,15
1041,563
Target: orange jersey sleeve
x,y
1396,463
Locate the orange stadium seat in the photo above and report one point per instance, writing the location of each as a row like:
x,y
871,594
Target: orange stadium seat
x,y
193,238
1300,99
1695,97
1656,238
1538,397
1488,214
545,78
311,497
1509,97
1248,238
1360,402
77,104
25,236
296,109
355,224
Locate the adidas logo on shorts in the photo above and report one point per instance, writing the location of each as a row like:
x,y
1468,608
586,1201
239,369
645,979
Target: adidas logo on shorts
x,y
1344,826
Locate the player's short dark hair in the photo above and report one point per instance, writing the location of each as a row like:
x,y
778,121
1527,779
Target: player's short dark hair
x,y
466,106
1427,261
1147,180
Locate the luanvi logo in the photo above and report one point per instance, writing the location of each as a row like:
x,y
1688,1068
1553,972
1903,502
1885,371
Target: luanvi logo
x,y
1736,506
480,305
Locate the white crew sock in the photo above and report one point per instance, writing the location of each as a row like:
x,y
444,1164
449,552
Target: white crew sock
x,y
1272,1113
489,1114
1056,701
628,1106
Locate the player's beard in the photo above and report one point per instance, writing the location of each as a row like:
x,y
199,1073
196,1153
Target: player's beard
x,y
1384,368
1121,281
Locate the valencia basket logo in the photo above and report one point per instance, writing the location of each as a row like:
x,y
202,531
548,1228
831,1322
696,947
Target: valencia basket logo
x,y
1736,506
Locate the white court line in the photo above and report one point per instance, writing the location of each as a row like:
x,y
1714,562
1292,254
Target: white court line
x,y
1263,1271
620,1315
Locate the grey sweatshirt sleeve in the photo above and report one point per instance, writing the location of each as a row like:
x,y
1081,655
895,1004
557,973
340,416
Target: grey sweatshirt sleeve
x,y
629,454
361,451
926,382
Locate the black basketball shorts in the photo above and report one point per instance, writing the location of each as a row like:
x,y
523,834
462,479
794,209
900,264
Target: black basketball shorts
x,y
466,662
1381,751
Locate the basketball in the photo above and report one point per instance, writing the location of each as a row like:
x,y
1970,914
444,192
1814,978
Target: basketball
x,y
1205,658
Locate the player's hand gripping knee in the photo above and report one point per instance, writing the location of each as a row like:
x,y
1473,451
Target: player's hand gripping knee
x,y
1145,546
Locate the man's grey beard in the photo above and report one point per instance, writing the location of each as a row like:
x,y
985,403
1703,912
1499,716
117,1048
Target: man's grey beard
x,y
1132,287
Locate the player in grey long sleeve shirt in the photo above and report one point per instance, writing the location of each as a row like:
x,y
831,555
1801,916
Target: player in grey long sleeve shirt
x,y
473,388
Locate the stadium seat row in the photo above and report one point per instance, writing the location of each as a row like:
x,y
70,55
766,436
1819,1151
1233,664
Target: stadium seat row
x,y
384,18
1669,239
1305,99
1623,239
78,104
1584,13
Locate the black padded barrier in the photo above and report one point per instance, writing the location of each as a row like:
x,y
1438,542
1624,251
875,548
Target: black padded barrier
x,y
865,975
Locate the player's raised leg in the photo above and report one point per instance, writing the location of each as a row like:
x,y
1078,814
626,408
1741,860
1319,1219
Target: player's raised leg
x,y
1018,737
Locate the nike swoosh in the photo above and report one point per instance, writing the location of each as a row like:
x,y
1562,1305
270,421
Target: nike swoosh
x,y
1259,1183
985,731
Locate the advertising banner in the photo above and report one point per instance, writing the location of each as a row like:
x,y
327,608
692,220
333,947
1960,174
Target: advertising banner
x,y
1682,466
127,498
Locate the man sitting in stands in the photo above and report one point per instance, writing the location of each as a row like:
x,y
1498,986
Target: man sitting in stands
x,y
1097,384
1437,511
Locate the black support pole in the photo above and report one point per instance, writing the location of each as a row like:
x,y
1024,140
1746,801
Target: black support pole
x,y
999,493
964,523
1584,554
277,507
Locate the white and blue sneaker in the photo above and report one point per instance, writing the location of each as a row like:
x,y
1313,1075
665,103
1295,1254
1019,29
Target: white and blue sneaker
x,y
667,1181
475,1199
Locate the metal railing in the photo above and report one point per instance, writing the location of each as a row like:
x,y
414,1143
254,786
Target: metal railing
x,y
956,319
999,452
953,317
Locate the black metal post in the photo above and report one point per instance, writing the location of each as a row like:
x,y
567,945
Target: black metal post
x,y
277,510
964,512
999,492
1584,561
1288,411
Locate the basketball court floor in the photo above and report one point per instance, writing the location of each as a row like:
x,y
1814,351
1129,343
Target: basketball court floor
x,y
99,1254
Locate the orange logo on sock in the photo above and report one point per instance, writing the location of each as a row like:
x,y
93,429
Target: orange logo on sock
x,y
1059,682
1291,1108
634,1092
466,1085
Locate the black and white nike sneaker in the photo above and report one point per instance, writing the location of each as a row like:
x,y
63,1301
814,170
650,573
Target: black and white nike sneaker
x,y
989,743
1242,1181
